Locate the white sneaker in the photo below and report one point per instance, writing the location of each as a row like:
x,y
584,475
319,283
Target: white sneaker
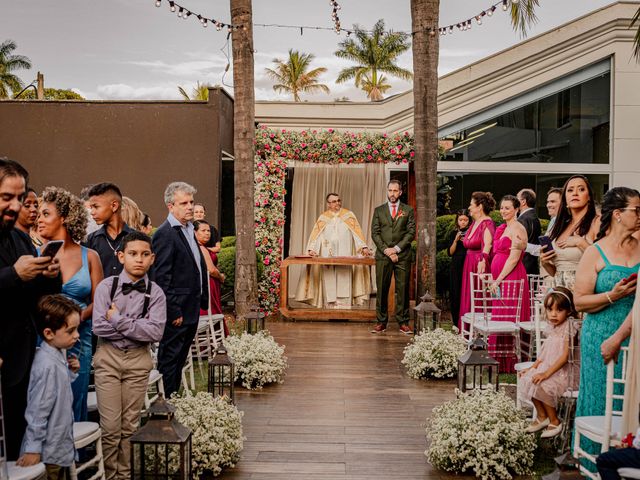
x,y
537,426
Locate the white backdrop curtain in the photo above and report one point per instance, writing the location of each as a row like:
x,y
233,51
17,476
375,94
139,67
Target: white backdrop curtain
x,y
361,187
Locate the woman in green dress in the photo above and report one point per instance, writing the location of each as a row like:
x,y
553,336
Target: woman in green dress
x,y
604,293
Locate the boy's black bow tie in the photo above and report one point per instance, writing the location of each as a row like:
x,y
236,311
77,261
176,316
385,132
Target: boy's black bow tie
x,y
127,288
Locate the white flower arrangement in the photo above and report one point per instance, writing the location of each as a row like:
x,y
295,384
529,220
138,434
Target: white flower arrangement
x,y
434,353
258,359
216,431
481,432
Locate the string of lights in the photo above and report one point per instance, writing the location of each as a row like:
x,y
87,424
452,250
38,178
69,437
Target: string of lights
x,y
463,25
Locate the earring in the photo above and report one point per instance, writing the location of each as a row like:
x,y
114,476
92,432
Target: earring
x,y
619,219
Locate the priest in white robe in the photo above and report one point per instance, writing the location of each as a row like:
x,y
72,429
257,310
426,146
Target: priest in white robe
x,y
336,233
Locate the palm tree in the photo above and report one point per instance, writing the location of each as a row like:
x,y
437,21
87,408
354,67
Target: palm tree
x,y
424,22
246,281
373,52
636,40
199,92
8,64
293,76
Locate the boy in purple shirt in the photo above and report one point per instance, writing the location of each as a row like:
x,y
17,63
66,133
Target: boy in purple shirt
x,y
129,313
49,435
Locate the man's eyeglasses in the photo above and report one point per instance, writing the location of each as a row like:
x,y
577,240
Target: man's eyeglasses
x,y
335,201
637,209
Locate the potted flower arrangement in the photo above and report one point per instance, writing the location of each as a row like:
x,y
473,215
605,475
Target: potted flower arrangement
x,y
258,359
216,428
483,433
434,353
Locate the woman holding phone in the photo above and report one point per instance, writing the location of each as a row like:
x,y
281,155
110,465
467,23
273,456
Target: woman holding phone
x,y
573,232
605,289
64,218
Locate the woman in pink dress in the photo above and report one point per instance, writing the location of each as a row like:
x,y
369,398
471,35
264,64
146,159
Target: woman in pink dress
x,y
477,241
509,243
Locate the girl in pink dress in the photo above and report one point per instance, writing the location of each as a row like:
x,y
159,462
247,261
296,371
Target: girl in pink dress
x,y
509,243
548,378
478,242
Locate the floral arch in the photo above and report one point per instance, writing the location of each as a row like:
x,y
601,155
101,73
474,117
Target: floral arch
x,y
274,150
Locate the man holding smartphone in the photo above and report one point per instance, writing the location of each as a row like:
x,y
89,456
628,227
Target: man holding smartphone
x,y
24,278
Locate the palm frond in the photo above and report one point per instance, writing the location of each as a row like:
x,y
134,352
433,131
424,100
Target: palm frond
x,y
184,94
523,15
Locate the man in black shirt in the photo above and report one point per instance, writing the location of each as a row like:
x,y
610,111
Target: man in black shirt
x,y
105,200
24,278
529,219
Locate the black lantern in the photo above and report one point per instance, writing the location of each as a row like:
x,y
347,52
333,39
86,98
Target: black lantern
x,y
222,374
254,320
161,448
426,311
476,368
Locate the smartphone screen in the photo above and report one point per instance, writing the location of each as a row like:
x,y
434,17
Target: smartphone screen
x,y
545,241
51,248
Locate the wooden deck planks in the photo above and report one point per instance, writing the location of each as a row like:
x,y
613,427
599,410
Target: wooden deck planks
x,y
346,411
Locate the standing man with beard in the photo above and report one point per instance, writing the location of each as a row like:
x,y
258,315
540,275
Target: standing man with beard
x,y
24,278
392,229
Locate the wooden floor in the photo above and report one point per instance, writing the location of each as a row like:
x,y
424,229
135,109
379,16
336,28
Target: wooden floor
x,y
346,410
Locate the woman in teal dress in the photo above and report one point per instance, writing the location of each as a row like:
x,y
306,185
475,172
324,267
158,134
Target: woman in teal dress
x,y
63,217
603,292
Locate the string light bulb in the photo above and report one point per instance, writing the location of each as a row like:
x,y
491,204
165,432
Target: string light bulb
x,y
504,5
172,7
158,3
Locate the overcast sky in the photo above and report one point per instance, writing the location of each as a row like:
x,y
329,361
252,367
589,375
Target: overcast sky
x,y
129,49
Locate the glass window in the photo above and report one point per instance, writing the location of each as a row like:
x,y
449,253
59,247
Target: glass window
x,y
463,185
570,126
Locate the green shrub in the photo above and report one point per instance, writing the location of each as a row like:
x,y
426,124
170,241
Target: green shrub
x,y
544,223
497,219
443,262
227,265
228,242
445,224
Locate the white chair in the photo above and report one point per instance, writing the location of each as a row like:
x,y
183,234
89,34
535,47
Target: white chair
x,y
188,376
155,388
629,473
477,291
528,337
606,429
500,316
86,433
92,401
26,473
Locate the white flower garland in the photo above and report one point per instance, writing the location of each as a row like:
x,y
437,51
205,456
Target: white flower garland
x,y
481,432
216,426
433,353
258,359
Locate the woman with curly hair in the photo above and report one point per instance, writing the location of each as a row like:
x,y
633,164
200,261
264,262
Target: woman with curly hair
x,y
63,217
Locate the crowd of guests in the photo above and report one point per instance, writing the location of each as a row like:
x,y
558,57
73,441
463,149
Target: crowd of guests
x,y
589,258
103,297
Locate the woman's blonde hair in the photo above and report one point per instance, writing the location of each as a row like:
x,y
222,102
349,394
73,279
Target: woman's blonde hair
x,y
131,214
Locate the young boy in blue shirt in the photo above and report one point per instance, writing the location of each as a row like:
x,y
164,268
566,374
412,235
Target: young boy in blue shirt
x,y
49,435
129,314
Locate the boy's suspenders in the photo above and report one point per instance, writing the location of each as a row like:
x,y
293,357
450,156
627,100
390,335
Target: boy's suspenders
x,y
147,295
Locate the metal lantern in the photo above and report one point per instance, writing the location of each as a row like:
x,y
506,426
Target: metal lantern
x,y
254,321
222,374
476,368
161,448
426,310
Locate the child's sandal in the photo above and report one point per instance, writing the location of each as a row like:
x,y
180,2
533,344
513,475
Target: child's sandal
x,y
537,425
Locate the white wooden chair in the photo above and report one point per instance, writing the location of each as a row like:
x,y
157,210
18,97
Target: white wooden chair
x,y
86,433
477,287
605,429
188,376
528,334
33,472
629,473
500,316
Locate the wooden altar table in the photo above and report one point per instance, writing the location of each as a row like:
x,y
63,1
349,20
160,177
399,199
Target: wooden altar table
x,y
356,314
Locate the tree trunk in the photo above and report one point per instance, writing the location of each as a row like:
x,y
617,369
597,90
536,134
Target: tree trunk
x,y
246,282
424,17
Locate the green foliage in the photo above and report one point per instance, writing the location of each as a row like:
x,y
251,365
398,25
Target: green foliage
x,y
445,224
53,94
443,262
228,242
10,83
227,265
294,77
497,219
544,224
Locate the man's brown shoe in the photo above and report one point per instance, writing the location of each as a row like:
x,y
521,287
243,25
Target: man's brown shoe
x,y
406,330
379,328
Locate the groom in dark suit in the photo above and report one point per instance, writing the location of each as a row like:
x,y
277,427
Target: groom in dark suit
x,y
529,219
392,229
180,270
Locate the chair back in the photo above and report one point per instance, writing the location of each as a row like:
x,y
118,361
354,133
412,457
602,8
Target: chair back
x,y
479,304
536,288
505,305
614,394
